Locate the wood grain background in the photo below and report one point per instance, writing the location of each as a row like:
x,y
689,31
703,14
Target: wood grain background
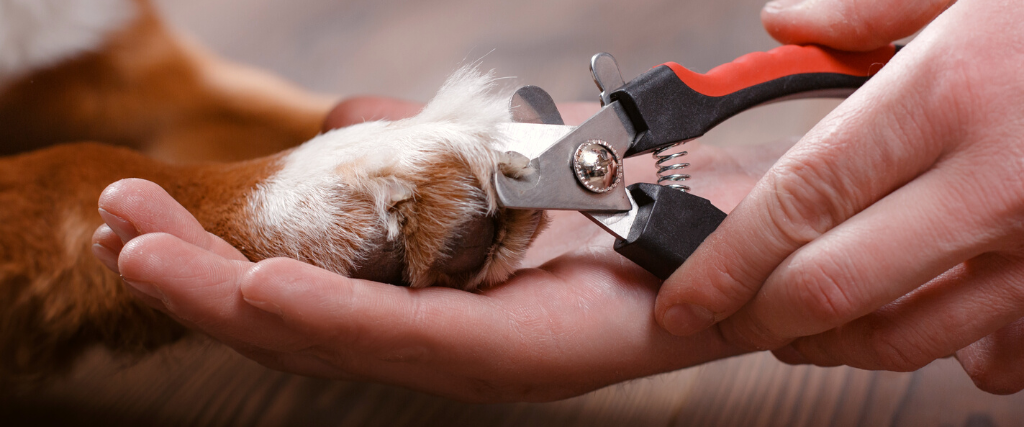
x,y
405,49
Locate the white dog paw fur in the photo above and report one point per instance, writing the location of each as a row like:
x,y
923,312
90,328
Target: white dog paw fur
x,y
407,201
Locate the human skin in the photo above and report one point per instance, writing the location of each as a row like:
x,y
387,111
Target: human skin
x,y
892,234
577,317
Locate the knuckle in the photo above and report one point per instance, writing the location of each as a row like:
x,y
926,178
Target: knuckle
x,y
728,283
804,201
820,291
889,351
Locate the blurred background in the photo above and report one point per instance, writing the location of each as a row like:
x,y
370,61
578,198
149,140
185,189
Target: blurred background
x,y
406,49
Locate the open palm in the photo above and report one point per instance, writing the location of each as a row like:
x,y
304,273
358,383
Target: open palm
x,y
576,318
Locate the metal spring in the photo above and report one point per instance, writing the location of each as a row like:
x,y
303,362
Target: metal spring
x,y
665,173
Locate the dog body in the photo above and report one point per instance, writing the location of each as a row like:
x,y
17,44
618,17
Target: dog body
x,y
408,201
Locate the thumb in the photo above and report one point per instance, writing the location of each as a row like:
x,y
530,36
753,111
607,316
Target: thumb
x,y
853,25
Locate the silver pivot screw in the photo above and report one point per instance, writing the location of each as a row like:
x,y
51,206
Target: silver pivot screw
x,y
598,167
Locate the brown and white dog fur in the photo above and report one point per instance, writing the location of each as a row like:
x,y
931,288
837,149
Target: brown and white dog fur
x,y
407,201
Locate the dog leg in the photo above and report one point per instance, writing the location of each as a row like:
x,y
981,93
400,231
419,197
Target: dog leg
x,y
113,72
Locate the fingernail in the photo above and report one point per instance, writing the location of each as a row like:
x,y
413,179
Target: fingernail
x,y
687,319
146,288
122,228
789,355
265,306
780,5
106,256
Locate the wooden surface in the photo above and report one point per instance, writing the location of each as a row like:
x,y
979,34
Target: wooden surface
x,y
405,49
208,385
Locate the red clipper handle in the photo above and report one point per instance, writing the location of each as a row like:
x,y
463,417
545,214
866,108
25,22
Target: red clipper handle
x,y
670,103
761,67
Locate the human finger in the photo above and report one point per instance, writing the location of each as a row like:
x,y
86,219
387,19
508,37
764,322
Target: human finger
x,y
200,288
965,304
861,25
132,207
369,317
883,252
105,246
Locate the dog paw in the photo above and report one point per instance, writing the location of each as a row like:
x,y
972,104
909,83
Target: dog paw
x,y
408,201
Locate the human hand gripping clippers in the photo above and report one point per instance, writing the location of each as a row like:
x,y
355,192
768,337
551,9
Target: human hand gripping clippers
x,y
657,226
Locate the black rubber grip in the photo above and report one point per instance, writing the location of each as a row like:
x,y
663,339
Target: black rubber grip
x,y
665,110
669,226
